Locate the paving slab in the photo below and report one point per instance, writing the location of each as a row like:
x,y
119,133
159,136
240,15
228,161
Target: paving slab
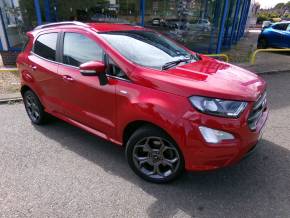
x,y
11,97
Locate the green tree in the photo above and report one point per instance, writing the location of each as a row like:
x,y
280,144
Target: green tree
x,y
279,6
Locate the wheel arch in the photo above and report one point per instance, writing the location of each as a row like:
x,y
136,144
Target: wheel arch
x,y
131,127
24,89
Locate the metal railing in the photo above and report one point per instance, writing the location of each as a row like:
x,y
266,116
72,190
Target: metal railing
x,y
226,57
254,55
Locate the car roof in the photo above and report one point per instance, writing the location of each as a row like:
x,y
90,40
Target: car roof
x,y
108,27
283,22
98,27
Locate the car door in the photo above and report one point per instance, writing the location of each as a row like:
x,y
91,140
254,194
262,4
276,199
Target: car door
x,y
86,101
43,69
287,36
277,36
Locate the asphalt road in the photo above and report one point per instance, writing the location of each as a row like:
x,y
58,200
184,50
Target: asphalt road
x,y
61,171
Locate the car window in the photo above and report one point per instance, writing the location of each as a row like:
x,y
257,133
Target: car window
x,y
114,70
288,28
281,26
45,46
79,49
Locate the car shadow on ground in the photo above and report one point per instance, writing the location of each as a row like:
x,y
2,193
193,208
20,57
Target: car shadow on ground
x,y
257,187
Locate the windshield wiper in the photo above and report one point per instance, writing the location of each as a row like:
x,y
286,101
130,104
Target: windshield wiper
x,y
171,64
174,63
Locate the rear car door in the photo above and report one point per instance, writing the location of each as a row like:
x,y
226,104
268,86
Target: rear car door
x,y
43,68
86,101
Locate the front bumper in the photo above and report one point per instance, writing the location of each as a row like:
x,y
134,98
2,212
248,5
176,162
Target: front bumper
x,y
201,156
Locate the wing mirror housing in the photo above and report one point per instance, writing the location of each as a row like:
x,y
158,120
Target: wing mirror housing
x,y
95,68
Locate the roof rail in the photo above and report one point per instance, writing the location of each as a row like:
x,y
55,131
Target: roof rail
x,y
60,24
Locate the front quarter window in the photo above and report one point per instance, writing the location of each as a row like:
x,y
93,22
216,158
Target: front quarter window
x,y
145,48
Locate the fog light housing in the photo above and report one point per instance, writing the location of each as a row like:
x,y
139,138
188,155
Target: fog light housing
x,y
214,136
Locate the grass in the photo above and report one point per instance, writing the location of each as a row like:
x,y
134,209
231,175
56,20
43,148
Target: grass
x,y
9,82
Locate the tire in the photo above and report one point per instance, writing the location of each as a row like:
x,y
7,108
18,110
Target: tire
x,y
34,108
263,43
154,156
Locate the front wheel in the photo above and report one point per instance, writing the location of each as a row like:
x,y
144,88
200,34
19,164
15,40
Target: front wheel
x,y
154,156
262,44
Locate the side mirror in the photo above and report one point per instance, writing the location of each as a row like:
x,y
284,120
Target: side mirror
x,y
95,68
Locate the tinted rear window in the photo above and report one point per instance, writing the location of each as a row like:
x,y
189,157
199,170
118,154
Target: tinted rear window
x,y
45,46
281,26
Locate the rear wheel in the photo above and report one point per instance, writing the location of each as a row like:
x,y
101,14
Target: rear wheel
x,y
34,108
154,156
262,44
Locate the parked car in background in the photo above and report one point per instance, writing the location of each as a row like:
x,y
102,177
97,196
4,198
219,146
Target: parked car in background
x,y
275,35
266,24
172,109
156,22
200,25
176,23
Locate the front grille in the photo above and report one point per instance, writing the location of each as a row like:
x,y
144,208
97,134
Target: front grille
x,y
257,111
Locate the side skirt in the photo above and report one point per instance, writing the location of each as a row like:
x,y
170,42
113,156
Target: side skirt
x,y
84,127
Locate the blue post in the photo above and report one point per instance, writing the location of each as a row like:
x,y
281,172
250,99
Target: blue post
x,y
246,18
222,26
228,25
55,11
47,11
215,25
5,32
1,46
241,20
37,12
235,24
142,4
206,10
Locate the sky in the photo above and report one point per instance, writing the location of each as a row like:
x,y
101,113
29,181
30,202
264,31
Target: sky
x,y
270,3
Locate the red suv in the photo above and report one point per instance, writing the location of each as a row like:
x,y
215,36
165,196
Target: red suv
x,y
171,108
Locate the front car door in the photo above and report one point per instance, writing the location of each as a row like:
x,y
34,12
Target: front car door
x,y
287,36
86,101
277,37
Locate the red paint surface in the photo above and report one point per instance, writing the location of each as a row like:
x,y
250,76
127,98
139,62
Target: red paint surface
x,y
157,97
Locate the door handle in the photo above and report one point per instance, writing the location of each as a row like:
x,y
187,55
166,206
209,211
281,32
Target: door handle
x,y
33,67
67,78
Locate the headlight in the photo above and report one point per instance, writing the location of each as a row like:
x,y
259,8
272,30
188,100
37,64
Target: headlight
x,y
218,107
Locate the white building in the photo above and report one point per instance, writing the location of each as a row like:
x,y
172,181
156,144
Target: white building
x,y
9,17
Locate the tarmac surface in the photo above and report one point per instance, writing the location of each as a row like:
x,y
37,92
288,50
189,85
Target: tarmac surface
x,y
58,170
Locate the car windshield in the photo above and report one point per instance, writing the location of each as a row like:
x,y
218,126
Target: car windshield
x,y
147,48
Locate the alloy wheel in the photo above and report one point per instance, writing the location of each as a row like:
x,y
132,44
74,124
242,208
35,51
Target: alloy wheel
x,y
156,157
32,108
